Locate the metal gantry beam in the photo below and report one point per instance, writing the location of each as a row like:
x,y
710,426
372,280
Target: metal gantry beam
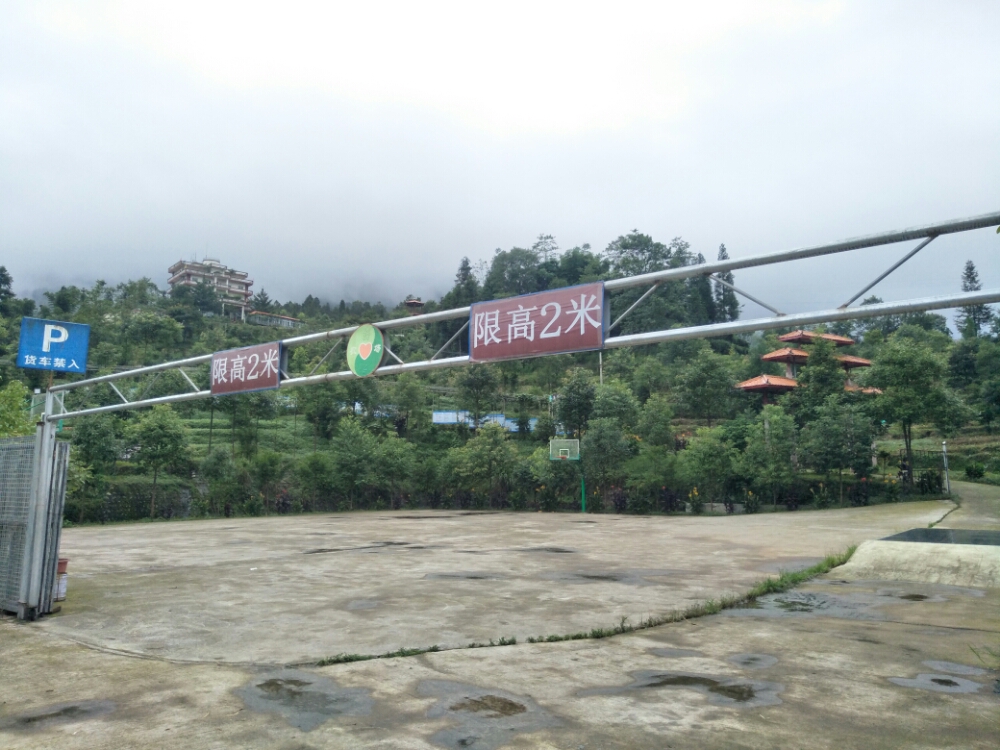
x,y
927,233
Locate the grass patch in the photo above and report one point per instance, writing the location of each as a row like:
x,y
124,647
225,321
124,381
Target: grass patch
x,y
782,582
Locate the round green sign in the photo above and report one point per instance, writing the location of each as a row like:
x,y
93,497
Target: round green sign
x,y
365,350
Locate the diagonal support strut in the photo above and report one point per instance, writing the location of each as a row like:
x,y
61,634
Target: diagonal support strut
x,y
745,294
450,341
892,268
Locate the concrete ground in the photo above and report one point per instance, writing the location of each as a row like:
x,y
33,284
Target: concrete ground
x,y
186,635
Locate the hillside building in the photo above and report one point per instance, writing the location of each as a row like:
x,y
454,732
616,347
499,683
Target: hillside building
x,y
263,318
232,286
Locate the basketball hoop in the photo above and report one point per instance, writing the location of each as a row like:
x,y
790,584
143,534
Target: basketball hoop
x,y
564,450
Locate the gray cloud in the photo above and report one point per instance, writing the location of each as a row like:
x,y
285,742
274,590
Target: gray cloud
x,y
115,163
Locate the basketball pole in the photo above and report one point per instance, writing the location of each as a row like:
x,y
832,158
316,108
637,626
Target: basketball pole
x,y
583,492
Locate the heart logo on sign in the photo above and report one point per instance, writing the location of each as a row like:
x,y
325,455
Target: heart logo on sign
x,y
364,350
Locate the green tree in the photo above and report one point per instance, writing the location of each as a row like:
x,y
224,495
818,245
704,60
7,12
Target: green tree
x,y
512,272
316,479
704,386
14,419
6,291
262,302
322,406
911,378
355,452
576,401
726,304
821,378
648,378
840,439
485,465
605,451
648,474
973,319
97,441
160,440
767,460
410,401
477,391
614,400
394,465
655,426
206,299
269,469
701,300
708,464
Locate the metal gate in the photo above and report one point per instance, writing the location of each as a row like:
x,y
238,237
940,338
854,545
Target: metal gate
x,y
31,507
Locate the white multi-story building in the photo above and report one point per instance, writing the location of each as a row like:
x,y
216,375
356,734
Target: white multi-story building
x,y
233,287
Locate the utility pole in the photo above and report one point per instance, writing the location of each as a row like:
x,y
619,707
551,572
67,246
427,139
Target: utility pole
x,y
944,455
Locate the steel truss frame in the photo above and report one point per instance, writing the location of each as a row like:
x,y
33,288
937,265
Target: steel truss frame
x,y
56,411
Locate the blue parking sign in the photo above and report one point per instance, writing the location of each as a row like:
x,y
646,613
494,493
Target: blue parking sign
x,y
53,345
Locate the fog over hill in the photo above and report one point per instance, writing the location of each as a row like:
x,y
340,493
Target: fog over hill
x,y
361,153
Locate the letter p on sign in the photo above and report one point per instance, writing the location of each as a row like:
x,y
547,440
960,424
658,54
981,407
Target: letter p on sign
x,y
53,335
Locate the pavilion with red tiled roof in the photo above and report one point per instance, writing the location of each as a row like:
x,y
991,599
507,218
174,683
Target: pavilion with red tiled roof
x,y
808,337
792,358
769,384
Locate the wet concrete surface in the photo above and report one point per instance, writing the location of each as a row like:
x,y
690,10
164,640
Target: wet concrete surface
x,y
304,699
720,690
482,718
840,663
299,588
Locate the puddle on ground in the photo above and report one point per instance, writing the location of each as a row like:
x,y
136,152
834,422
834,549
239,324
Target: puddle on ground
x,y
638,577
60,713
721,691
484,718
553,550
914,597
851,606
753,661
939,683
951,667
303,699
463,577
375,546
789,565
675,653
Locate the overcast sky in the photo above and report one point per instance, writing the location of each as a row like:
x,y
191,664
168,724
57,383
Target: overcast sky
x,y
360,151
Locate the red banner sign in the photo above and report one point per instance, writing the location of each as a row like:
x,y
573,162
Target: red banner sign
x,y
572,319
252,368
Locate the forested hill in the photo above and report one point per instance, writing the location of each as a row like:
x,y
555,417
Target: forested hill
x,y
660,426
137,322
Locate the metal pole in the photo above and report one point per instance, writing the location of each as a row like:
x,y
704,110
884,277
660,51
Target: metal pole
x,y
583,492
34,543
944,454
796,320
600,365
857,243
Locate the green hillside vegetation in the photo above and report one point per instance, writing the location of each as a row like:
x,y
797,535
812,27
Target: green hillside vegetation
x,y
665,432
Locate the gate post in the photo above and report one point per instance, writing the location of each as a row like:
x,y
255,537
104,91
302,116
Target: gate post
x,y
34,542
